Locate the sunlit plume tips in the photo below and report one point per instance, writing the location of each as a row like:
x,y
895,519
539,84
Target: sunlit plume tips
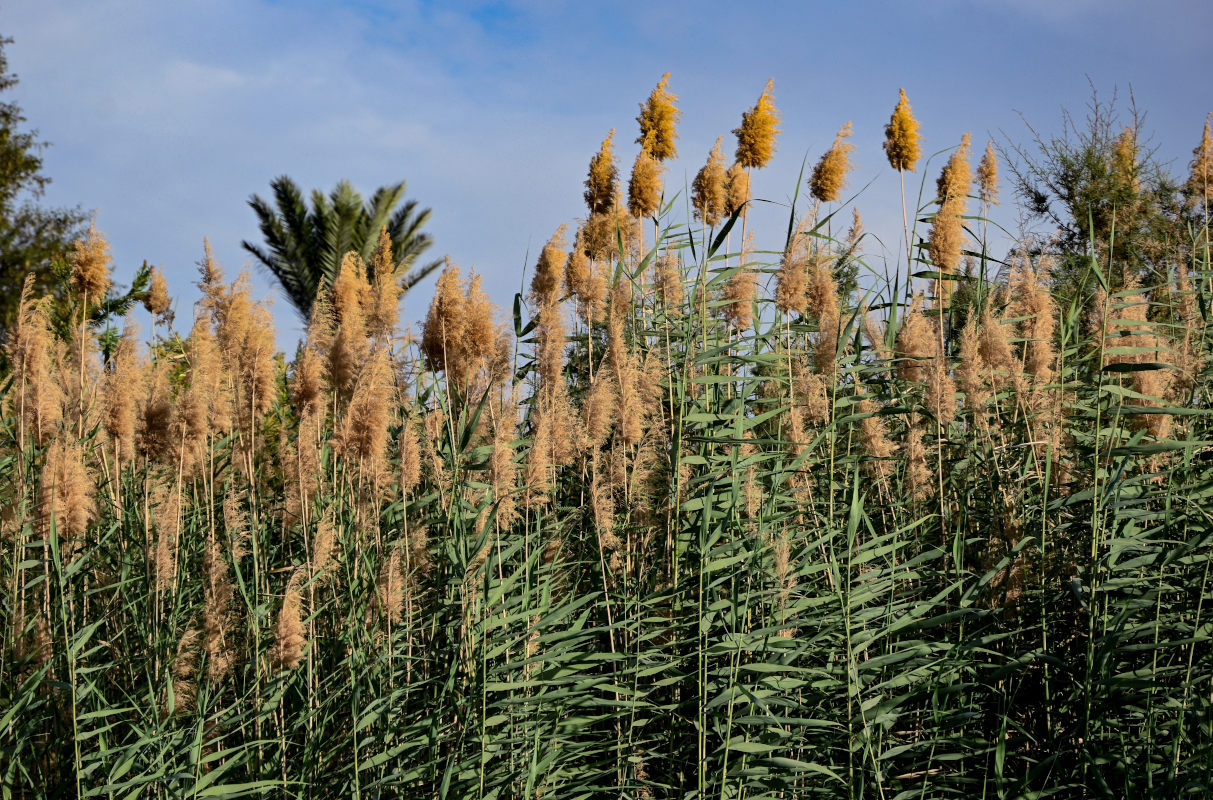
x,y
901,137
657,119
830,175
759,127
1200,182
157,301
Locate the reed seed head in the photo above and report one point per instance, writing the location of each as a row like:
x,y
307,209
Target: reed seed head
x,y
901,136
1200,181
736,189
987,176
289,638
830,176
759,127
644,187
600,186
90,264
658,117
709,191
156,301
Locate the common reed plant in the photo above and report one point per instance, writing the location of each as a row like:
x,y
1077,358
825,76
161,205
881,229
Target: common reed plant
x,y
692,521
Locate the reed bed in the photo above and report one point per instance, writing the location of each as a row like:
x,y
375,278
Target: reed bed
x,y
696,520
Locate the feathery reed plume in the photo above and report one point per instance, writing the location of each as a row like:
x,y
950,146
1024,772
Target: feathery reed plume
x,y
79,373
970,367
625,369
549,270
599,410
236,525
90,265
185,671
383,297
600,186
505,470
875,331
33,352
946,240
351,341
156,435
545,294
166,514
216,617
657,119
1200,181
389,587
443,331
363,433
123,388
461,335
308,381
205,404
987,176
578,275
759,127
324,540
873,437
602,506
66,492
940,393
919,478
1032,300
409,446
738,294
709,190
821,301
612,234
157,301
301,469
997,355
901,136
289,638
830,175
916,343
644,187
668,281
791,282
736,189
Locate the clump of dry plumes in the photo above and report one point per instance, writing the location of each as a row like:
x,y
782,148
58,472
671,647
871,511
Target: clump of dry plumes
x,y
792,279
289,637
759,127
709,191
916,344
1029,284
739,294
822,303
830,175
644,187
363,433
90,265
874,437
217,615
383,297
461,335
185,671
987,176
350,343
901,137
658,117
667,273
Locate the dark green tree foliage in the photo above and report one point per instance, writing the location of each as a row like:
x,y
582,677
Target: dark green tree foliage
x,y
1100,186
304,245
31,236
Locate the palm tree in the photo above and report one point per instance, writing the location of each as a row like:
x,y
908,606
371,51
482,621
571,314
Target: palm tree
x,y
304,247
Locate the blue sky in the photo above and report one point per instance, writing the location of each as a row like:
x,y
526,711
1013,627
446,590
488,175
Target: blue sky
x,y
166,117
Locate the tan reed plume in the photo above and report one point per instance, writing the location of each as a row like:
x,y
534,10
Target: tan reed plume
x,y
946,239
874,437
216,616
185,671
363,432
1124,158
644,187
34,355
970,368
759,127
157,300
351,340
987,176
830,175
667,281
600,185
916,343
709,190
90,265
390,587
123,389
736,189
289,635
919,478
901,136
1031,299
66,492
658,118
383,297
791,282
